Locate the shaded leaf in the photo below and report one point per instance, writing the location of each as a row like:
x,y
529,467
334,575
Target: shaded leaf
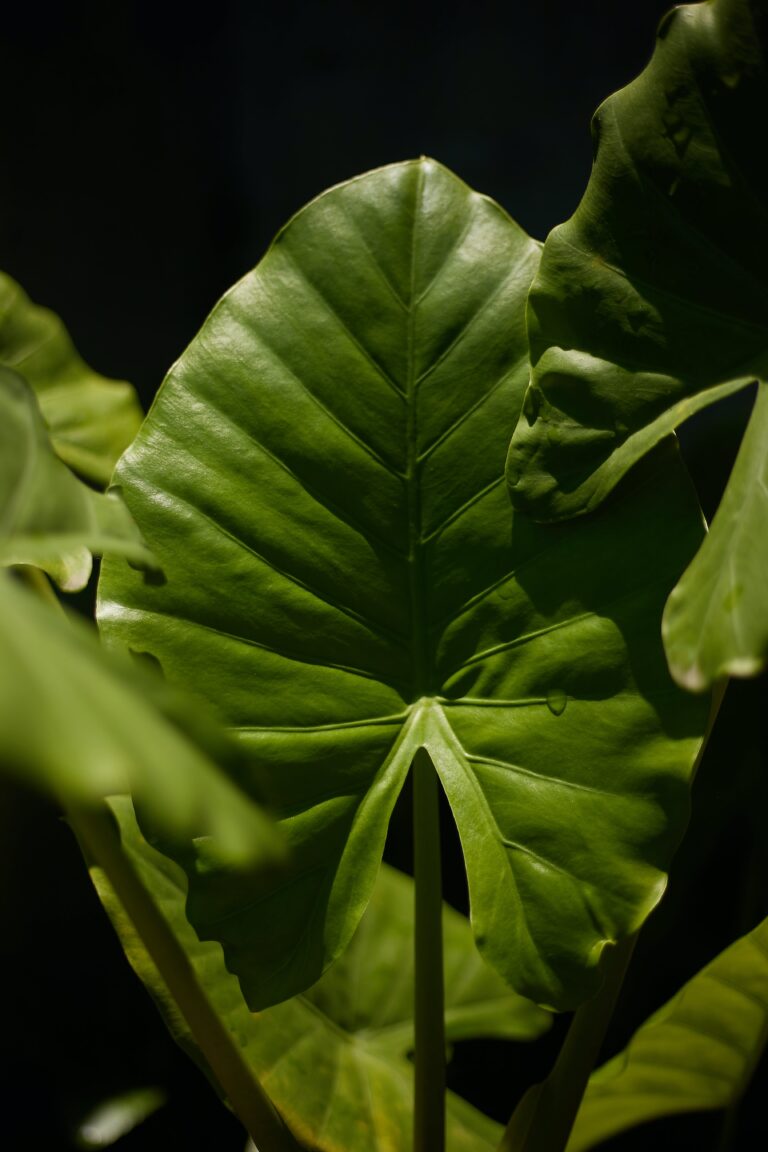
x,y
91,419
696,1053
651,303
369,991
321,478
333,1060
49,518
78,726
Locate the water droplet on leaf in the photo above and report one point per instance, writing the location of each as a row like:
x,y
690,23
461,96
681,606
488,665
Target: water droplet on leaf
x,y
556,701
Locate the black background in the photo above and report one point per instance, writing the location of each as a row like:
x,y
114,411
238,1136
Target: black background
x,y
148,154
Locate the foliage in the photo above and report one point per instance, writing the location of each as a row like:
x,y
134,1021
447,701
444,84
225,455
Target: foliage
x,y
346,1039
311,544
650,305
346,582
697,1052
90,419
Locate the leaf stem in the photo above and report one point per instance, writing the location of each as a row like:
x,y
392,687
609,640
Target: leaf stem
x,y
543,1120
98,835
429,1102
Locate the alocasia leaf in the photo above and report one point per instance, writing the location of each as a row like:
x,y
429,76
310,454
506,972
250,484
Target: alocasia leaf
x,y
696,1053
334,1060
79,726
91,419
49,518
322,480
652,302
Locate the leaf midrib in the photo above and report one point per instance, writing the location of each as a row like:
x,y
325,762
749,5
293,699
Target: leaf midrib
x,y
420,653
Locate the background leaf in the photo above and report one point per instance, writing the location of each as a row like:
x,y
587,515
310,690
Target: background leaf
x,y
321,478
49,518
696,1053
651,304
112,1119
78,725
333,1060
91,419
369,990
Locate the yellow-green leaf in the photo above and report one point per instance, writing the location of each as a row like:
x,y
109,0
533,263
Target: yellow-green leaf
x,y
91,419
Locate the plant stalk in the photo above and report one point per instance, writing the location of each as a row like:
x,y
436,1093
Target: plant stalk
x,y
543,1120
96,832
429,1009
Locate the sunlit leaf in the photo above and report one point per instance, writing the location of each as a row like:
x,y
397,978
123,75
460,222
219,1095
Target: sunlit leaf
x,y
696,1053
91,419
322,481
334,1060
651,303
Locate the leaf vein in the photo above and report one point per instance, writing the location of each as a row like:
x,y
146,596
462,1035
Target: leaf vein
x,y
329,505
358,617
452,250
464,508
454,427
383,374
541,778
468,324
330,665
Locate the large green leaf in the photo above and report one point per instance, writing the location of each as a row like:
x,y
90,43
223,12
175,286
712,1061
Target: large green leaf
x,y
651,303
91,419
696,1053
334,1060
78,726
49,518
321,478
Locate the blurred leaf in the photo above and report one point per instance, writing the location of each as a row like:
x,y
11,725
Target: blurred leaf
x,y
116,1117
651,304
91,419
49,518
333,1060
696,1053
321,478
79,726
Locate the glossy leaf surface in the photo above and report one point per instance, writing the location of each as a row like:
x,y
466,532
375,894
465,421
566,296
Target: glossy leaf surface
x,y
91,419
78,726
49,518
334,1060
322,479
652,303
696,1053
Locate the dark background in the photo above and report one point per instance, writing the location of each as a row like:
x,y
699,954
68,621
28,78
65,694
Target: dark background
x,y
148,154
